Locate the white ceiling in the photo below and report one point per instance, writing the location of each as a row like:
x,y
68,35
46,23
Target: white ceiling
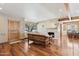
x,y
74,9
37,11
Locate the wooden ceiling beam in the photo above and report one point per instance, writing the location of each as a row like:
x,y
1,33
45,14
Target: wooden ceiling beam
x,y
66,18
67,10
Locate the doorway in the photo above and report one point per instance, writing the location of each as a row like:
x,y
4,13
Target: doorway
x,y
13,30
70,38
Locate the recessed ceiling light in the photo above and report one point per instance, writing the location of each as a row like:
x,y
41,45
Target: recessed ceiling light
x,y
0,8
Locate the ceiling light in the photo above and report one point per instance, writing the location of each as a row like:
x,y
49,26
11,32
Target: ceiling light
x,y
0,8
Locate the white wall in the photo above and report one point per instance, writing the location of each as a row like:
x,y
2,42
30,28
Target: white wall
x,y
3,29
22,28
43,28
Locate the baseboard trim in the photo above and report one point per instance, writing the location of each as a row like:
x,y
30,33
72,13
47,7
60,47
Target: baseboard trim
x,y
15,42
4,42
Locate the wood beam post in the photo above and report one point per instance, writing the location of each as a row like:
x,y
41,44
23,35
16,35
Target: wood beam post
x,y
67,10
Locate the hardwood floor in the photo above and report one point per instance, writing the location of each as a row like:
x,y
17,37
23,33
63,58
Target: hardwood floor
x,y
68,48
5,50
21,49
